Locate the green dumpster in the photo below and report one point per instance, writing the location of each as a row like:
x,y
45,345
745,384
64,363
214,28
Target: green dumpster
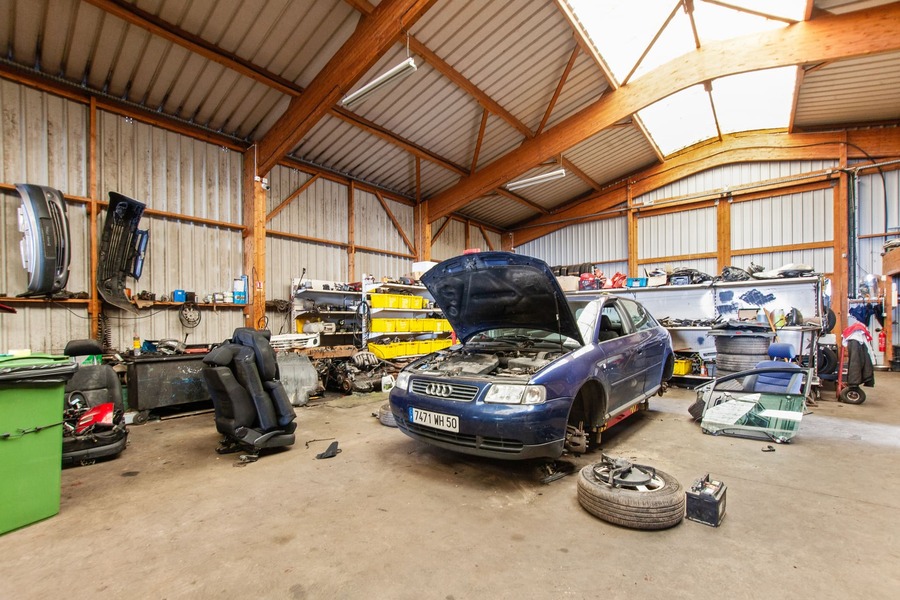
x,y
31,411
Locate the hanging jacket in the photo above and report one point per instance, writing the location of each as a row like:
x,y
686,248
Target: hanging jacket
x,y
860,370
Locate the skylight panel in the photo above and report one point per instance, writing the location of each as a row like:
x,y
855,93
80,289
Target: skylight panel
x,y
756,100
680,120
794,10
621,31
717,23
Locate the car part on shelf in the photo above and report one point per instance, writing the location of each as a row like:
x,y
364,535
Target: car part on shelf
x,y
189,315
631,495
44,222
122,248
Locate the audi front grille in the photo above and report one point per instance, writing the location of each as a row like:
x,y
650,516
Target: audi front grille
x,y
449,391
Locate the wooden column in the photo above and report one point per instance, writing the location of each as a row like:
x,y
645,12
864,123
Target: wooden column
x,y
723,232
351,232
839,291
631,217
94,304
254,211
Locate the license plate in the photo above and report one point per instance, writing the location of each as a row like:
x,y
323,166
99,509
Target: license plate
x,y
433,419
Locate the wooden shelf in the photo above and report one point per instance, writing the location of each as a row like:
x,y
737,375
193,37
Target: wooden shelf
x,y
7,300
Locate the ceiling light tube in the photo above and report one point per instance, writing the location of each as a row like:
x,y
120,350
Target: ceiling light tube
x,y
542,178
404,69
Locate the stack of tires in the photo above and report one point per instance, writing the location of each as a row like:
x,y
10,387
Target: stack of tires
x,y
736,353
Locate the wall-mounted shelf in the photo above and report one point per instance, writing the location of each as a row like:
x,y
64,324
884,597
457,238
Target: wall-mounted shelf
x,y
15,300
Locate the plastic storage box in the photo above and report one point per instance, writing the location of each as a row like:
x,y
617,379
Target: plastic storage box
x,y
683,366
32,390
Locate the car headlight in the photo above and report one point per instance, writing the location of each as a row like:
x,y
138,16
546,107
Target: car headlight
x,y
500,393
402,380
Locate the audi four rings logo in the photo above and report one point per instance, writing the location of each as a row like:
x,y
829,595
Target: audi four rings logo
x,y
442,390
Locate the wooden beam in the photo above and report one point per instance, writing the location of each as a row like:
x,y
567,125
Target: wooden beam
x,y
305,238
523,201
133,15
749,11
291,197
140,18
559,86
397,226
849,35
373,36
785,248
581,38
95,305
411,147
384,252
632,241
441,229
485,236
570,166
676,257
675,9
351,231
441,66
254,213
723,233
74,93
343,179
484,118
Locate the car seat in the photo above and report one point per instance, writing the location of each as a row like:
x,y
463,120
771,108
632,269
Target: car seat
x,y
92,384
606,329
777,381
252,409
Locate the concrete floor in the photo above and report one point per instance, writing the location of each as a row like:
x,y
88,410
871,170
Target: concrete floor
x,y
393,518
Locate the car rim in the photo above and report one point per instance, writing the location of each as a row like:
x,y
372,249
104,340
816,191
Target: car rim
x,y
628,476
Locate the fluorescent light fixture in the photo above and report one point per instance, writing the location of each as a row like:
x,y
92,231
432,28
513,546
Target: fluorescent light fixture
x,y
404,69
542,178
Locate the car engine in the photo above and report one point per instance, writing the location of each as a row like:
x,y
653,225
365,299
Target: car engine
x,y
498,364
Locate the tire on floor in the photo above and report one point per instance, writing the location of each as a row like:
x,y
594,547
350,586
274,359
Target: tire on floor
x,y
660,507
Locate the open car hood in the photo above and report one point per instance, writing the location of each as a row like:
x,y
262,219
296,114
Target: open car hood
x,y
490,290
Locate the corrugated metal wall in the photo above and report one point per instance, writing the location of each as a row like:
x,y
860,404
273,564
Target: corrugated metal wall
x,y
598,242
732,176
787,220
321,212
42,141
681,233
373,228
177,174
874,194
451,242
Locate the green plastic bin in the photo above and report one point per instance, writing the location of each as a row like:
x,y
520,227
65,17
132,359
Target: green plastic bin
x,y
32,390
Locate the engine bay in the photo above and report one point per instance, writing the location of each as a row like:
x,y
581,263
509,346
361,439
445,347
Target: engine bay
x,y
475,363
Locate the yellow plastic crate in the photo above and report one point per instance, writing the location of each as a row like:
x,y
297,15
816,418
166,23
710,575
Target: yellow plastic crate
x,y
384,325
441,325
417,302
404,301
384,300
683,366
383,351
401,325
441,344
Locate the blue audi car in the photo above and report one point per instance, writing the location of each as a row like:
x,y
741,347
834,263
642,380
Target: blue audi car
x,y
535,373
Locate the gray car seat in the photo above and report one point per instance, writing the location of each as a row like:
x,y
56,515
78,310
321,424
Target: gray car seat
x,y
252,409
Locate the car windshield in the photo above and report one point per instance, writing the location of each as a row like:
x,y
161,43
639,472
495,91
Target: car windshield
x,y
763,403
524,336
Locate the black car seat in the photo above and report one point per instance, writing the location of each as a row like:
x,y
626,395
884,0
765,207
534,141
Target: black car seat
x,y
252,409
606,329
92,384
